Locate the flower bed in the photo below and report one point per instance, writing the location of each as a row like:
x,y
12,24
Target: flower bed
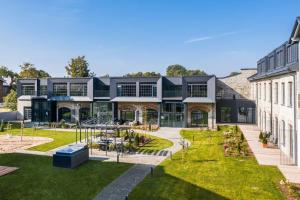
x,y
235,143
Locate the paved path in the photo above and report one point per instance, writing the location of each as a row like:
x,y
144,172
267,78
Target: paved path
x,y
268,156
123,185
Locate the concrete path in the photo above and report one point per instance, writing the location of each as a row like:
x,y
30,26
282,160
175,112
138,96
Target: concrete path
x,y
268,156
123,185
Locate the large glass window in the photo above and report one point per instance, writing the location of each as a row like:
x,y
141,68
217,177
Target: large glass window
x,y
102,111
197,90
126,89
127,115
78,89
148,90
28,89
225,114
172,115
60,89
172,91
199,119
43,90
64,114
151,116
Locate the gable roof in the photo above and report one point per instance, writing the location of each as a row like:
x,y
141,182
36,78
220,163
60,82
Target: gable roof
x,y
295,36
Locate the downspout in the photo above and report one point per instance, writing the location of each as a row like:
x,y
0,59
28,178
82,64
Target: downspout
x,y
271,99
295,120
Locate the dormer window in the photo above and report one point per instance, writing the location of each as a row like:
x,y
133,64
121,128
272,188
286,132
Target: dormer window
x,y
197,89
27,89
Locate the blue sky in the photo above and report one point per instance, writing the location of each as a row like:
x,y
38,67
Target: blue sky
x,y
118,37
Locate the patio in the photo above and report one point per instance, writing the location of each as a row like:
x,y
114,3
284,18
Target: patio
x,y
268,156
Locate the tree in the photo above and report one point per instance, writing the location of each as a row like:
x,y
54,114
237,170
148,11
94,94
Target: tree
x,y
143,74
29,71
179,70
78,67
10,101
176,70
5,72
196,72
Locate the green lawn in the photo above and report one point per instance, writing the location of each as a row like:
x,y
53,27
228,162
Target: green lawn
x,y
60,138
38,179
203,172
156,144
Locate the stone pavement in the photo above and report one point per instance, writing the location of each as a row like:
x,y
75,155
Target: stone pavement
x,y
123,185
268,156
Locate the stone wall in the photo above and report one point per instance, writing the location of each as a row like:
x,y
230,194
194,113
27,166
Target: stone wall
x,y
236,86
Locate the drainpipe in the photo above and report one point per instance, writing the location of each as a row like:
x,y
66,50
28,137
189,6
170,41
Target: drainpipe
x,y
271,100
295,121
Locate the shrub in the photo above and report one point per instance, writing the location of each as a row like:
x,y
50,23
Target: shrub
x,y
136,140
2,126
261,136
264,140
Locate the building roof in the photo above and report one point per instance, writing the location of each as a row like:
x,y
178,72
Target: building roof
x,y
295,35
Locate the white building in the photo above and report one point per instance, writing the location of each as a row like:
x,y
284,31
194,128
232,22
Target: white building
x,y
276,90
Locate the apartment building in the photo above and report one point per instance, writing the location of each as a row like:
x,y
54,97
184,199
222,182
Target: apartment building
x,y
275,89
165,101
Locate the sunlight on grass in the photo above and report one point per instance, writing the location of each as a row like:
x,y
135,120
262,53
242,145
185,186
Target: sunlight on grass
x,y
203,172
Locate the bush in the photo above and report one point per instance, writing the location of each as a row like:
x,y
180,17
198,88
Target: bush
x,y
261,136
137,140
10,101
2,126
264,140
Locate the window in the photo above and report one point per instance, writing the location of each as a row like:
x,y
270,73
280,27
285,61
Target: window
x,y
78,89
199,118
265,91
126,89
283,132
27,113
292,53
290,95
225,114
279,58
271,62
148,90
172,91
28,89
197,90
60,89
127,115
151,116
43,90
291,141
282,93
276,93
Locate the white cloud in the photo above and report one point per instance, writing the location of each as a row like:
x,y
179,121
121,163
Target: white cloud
x,y
210,37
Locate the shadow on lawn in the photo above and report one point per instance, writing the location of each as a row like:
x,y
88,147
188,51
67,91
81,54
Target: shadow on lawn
x,y
163,186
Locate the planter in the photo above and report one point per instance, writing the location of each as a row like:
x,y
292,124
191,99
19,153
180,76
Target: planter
x,y
264,145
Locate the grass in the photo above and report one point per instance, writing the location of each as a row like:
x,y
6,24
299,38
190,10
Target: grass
x,y
203,172
60,138
38,179
156,144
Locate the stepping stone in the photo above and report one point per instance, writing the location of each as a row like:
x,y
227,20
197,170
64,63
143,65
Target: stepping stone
x,y
6,170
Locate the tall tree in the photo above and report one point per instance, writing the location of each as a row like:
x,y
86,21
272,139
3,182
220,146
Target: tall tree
x,y
176,70
143,74
10,101
5,72
179,70
79,67
29,71
196,72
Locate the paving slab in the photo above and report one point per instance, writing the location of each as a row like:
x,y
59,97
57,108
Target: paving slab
x,y
268,156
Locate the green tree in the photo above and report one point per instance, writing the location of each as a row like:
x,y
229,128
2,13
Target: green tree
x,y
5,72
143,74
196,72
29,71
234,73
10,101
179,70
176,70
79,67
